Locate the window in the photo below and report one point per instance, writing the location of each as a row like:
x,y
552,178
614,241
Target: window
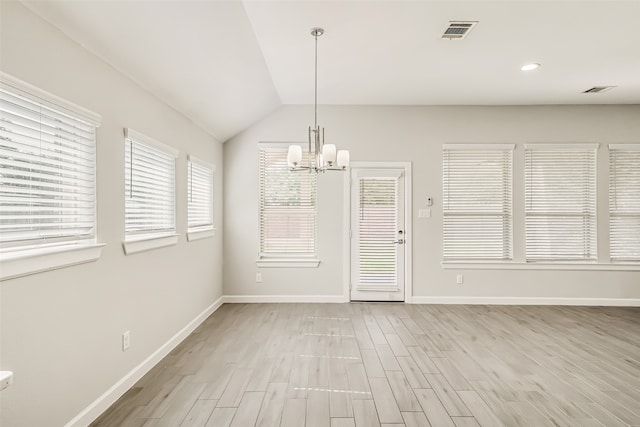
x,y
200,198
378,227
47,168
149,191
624,202
477,199
560,202
287,209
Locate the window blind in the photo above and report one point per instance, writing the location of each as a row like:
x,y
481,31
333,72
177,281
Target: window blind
x,y
149,187
624,202
287,206
200,195
47,167
477,201
560,202
378,228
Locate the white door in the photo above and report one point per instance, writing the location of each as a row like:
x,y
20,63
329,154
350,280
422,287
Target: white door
x,y
378,234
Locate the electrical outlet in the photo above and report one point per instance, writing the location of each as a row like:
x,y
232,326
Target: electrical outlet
x,y
459,279
126,340
6,379
258,277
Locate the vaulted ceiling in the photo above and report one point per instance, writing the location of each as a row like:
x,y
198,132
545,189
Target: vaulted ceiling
x,y
227,64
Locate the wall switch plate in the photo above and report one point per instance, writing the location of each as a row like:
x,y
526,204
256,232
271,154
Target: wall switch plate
x,y
424,213
126,340
258,277
459,279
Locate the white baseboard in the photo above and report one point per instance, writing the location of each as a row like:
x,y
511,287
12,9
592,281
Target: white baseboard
x,y
610,302
284,298
98,406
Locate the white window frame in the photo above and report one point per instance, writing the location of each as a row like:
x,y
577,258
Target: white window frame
x,y
289,259
31,255
467,213
624,203
141,240
587,211
207,228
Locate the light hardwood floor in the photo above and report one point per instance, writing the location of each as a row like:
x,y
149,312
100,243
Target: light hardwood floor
x,y
389,364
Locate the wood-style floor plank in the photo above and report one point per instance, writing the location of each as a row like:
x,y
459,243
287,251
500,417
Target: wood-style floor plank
x,y
248,409
368,365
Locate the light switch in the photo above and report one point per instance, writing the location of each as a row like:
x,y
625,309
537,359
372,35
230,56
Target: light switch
x,y
424,213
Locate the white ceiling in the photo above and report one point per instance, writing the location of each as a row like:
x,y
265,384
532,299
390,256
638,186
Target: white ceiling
x,y
226,64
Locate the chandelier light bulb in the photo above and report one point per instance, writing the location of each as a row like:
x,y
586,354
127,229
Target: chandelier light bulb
x,y
329,153
343,158
294,155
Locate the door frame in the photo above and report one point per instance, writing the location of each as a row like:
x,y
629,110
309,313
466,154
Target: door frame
x,y
346,225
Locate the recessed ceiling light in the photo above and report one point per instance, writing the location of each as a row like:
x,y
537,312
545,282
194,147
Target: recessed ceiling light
x,y
530,67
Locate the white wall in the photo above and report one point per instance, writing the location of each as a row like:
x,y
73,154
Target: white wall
x,y
416,134
61,330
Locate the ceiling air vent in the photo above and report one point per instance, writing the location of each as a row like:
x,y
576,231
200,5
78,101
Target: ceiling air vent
x,y
458,30
599,89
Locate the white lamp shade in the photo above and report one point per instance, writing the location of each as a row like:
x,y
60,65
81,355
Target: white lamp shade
x,y
329,153
343,158
294,155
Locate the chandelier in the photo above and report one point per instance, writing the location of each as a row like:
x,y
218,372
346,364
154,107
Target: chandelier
x,y
326,156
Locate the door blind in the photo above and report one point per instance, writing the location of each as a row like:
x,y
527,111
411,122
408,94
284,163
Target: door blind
x,y
378,229
560,202
149,187
47,169
477,201
624,202
200,195
287,206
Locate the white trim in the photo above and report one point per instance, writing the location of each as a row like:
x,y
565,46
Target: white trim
x,y
288,262
609,302
98,406
478,146
283,145
193,159
372,172
561,146
24,262
148,243
346,235
200,234
141,138
50,100
243,299
632,147
408,228
538,266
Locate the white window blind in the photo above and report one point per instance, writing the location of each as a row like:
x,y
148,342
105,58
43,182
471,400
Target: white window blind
x,y
378,228
477,201
47,167
200,195
624,202
560,202
287,207
149,187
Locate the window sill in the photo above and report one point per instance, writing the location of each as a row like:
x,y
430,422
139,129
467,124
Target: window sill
x,y
538,266
24,262
288,262
200,234
148,243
